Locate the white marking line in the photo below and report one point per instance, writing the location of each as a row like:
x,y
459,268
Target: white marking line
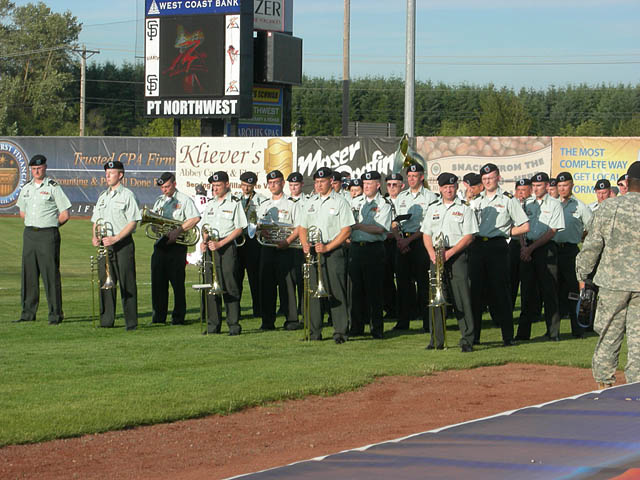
x,y
436,430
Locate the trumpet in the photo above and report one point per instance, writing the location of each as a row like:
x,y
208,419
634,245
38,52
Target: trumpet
x,y
436,288
159,226
270,234
101,231
214,235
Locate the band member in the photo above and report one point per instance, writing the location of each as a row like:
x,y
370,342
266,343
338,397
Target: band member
x,y
200,199
577,216
524,193
500,216
169,257
366,270
223,221
603,191
623,184
552,189
44,207
339,186
277,263
394,184
329,214
355,191
249,252
296,182
411,257
539,266
456,222
117,209
473,187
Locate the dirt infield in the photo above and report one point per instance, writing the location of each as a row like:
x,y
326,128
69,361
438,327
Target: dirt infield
x,y
281,433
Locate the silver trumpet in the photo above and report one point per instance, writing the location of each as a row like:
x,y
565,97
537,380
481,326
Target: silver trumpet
x,y
436,288
214,235
314,235
103,252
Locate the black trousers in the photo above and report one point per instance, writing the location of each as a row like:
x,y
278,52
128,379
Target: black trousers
x,y
514,268
366,271
122,266
41,256
490,285
168,267
228,275
456,281
390,304
249,260
539,279
277,269
568,283
334,278
413,267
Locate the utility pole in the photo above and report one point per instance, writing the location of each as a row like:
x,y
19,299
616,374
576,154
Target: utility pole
x,y
84,54
345,67
410,74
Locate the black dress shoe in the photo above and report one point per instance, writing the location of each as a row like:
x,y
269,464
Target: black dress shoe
x,y
508,343
267,327
339,340
20,320
431,347
292,325
54,322
398,326
555,339
378,335
476,342
466,348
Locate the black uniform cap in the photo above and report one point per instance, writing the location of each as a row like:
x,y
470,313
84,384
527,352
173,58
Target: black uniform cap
x,y
323,172
523,182
540,177
295,177
602,184
415,167
355,183
115,165
472,179
488,168
553,182
623,178
274,174
372,175
165,177
220,176
447,178
37,160
564,177
394,176
249,177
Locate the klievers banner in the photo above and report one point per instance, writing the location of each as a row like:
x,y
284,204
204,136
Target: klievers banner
x,y
516,157
77,164
197,158
590,159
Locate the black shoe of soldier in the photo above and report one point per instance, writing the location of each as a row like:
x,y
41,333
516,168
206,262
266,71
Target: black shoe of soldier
x,y
378,335
292,325
339,339
508,343
466,348
399,326
267,327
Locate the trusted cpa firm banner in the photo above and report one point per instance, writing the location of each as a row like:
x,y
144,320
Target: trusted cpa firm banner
x,y
590,159
77,164
197,158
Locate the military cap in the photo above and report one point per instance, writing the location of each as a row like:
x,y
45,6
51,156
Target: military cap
x,y
447,178
249,177
37,160
295,177
355,183
394,176
472,179
623,178
164,178
523,182
323,172
602,184
488,168
200,190
114,164
564,177
553,182
219,177
634,170
274,174
337,176
540,177
415,167
372,175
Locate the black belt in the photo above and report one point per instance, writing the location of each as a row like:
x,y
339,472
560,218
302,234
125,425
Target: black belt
x,y
367,244
38,229
490,239
407,234
566,244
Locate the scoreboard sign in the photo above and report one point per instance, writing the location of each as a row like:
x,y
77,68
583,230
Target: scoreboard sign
x,y
198,58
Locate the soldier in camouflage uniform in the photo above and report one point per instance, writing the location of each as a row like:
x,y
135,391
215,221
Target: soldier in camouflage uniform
x,y
613,236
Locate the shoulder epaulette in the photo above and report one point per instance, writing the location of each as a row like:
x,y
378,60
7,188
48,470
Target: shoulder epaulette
x,y
294,200
234,198
507,194
464,202
53,183
434,202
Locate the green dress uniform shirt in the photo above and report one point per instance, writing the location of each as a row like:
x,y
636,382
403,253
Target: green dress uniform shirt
x,y
544,215
330,214
224,215
284,211
454,221
416,204
376,211
179,207
498,214
42,203
117,208
577,217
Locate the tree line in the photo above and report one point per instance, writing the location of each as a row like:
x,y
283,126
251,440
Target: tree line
x,y
40,95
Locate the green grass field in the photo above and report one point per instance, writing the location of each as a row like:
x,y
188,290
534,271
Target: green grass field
x,y
73,379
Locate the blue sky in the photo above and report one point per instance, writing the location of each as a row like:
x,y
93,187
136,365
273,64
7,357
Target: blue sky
x,y
517,43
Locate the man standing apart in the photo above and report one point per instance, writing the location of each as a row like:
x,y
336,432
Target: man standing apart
x,y
603,191
366,268
501,216
523,194
44,208
224,217
331,215
277,264
169,258
411,257
613,238
539,255
577,217
117,209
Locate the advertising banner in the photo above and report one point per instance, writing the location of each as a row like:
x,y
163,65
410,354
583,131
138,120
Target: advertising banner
x,y
516,157
273,15
197,158
590,159
267,114
76,163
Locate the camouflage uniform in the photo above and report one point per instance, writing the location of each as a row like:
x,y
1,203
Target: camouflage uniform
x,y
613,237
